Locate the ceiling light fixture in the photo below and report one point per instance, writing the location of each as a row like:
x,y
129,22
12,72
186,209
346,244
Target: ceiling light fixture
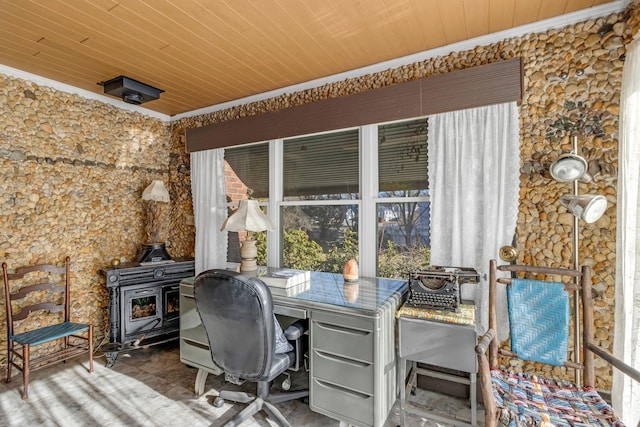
x,y
130,91
132,98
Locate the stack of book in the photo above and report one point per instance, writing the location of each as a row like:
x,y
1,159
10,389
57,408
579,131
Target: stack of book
x,y
291,290
285,281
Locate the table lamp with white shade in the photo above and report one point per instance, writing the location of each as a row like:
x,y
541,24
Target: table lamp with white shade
x,y
155,197
248,217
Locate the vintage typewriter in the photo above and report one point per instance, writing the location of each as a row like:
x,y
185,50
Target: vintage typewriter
x,y
439,287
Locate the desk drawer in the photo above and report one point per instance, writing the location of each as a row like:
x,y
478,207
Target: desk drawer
x,y
186,290
190,323
437,343
343,336
329,398
340,370
198,355
295,313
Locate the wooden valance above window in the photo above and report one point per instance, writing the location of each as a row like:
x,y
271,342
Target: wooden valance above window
x,y
473,87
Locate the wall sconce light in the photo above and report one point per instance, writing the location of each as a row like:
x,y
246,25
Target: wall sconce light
x,y
248,217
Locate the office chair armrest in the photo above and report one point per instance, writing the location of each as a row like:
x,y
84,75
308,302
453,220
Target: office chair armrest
x,y
294,334
485,340
611,359
295,331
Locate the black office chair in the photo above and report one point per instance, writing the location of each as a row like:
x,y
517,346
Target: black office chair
x,y
237,314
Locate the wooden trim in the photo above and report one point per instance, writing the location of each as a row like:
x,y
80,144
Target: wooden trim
x,y
540,270
473,87
22,271
49,286
46,306
611,359
490,407
569,287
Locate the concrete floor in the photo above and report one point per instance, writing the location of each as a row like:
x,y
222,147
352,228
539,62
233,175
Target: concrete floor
x,y
151,387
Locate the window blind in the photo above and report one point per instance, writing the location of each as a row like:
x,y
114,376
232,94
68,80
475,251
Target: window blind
x,y
489,84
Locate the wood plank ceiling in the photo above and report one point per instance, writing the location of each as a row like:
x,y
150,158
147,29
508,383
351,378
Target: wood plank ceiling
x,y
206,52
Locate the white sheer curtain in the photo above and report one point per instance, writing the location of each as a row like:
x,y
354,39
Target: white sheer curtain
x,y
209,208
625,392
474,161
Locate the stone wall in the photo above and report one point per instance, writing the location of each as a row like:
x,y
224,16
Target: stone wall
x,y
581,62
72,173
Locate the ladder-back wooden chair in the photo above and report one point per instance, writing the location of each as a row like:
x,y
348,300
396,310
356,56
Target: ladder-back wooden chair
x,y
540,319
35,291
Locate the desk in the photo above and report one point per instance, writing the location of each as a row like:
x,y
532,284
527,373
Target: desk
x,y
442,339
352,375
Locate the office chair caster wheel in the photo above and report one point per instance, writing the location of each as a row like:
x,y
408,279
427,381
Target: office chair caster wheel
x,y
286,384
218,402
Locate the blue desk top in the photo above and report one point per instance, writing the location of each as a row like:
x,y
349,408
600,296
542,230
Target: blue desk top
x,y
367,294
327,290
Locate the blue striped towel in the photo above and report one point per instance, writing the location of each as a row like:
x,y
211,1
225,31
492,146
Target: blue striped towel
x,y
539,318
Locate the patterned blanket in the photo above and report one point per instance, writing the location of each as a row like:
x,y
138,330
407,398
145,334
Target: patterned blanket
x,y
525,400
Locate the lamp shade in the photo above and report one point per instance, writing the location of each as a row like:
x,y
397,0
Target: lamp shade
x,y
568,167
248,217
156,191
588,208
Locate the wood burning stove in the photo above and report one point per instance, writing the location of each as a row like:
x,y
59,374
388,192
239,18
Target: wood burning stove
x,y
144,304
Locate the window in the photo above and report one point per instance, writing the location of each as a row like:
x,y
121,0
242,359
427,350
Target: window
x,y
358,193
322,167
403,198
247,170
247,176
321,179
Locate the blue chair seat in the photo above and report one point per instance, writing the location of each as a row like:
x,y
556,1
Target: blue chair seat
x,y
49,333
